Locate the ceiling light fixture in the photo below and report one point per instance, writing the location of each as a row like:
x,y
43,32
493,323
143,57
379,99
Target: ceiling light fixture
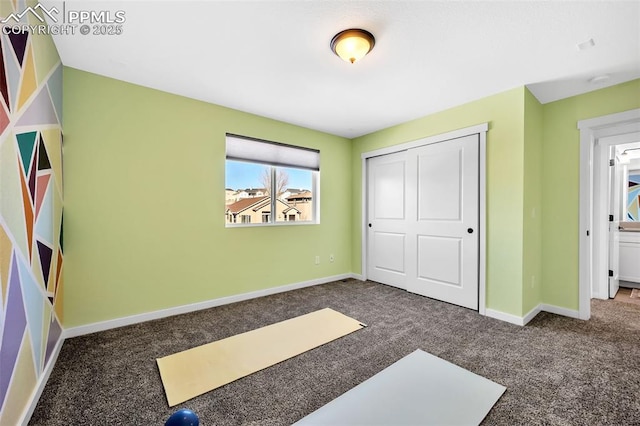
x,y
353,44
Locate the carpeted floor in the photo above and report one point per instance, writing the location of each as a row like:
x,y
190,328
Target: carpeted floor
x,y
557,370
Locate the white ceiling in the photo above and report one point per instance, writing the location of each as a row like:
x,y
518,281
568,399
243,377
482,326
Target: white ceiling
x,y
272,58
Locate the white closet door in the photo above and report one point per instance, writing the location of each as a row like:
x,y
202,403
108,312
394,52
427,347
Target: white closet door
x,y
387,219
443,221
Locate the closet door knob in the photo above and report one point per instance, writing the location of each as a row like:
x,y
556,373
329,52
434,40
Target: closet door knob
x,y
470,230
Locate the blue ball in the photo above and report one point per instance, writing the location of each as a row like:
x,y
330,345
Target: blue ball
x,y
183,417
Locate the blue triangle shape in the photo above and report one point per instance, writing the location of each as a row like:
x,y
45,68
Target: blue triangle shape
x,y
26,142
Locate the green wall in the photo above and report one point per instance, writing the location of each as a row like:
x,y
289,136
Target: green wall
x,y
532,188
560,184
532,211
144,183
505,181
144,222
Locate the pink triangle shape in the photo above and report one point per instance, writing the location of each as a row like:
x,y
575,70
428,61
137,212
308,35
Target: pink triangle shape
x,y
41,190
4,118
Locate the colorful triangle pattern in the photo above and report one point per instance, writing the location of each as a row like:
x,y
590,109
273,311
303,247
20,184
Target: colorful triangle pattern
x,y
4,88
45,253
15,325
41,189
19,44
633,198
29,83
4,118
33,302
14,74
43,157
40,111
33,170
6,249
26,144
31,256
28,213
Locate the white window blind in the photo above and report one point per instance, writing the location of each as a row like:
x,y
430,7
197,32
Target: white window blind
x,y
242,148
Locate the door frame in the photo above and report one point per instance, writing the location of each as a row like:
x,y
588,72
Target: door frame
x,y
591,131
481,131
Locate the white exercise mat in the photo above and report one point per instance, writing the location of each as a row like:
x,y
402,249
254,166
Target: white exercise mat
x,y
419,389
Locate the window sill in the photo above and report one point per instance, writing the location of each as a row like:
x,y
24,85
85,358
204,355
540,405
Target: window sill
x,y
258,225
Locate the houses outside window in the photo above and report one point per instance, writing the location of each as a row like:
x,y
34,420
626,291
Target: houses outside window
x,y
256,169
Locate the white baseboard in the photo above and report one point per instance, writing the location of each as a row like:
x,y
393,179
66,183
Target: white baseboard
x,y
514,319
358,277
560,311
177,310
597,295
531,314
503,316
42,381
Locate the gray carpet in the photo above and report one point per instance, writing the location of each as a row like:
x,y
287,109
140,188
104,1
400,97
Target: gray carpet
x,y
557,370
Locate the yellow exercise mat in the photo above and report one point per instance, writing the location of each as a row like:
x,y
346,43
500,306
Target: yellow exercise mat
x,y
193,372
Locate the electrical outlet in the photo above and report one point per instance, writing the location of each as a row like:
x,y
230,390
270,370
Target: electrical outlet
x,y
331,258
317,260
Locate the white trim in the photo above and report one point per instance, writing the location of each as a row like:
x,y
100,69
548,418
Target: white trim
x,y
552,309
514,319
358,277
601,207
532,314
315,194
183,309
479,129
590,131
472,130
363,221
482,223
42,382
503,316
604,121
599,236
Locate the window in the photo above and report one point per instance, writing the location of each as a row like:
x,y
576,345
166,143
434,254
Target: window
x,y
255,169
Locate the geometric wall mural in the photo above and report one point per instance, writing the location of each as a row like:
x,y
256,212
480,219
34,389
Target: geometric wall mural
x,y
633,197
31,252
